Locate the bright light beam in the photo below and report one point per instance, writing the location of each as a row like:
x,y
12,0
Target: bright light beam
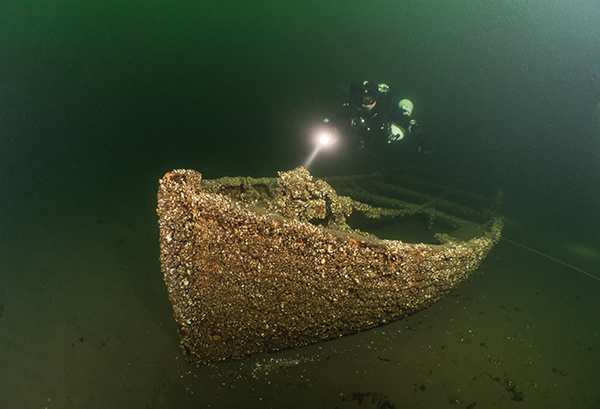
x,y
323,140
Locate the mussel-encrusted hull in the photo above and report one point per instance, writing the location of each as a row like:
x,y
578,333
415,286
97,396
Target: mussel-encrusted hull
x,y
244,282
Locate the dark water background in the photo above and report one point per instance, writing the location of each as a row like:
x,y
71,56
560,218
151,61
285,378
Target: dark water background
x,y
93,91
99,99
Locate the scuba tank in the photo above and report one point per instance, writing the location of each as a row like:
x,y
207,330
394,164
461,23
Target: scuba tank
x,y
397,132
406,105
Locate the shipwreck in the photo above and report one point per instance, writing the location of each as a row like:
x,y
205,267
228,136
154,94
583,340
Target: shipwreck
x,y
259,265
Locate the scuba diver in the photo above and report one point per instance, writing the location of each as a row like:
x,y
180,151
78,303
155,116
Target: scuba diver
x,y
370,121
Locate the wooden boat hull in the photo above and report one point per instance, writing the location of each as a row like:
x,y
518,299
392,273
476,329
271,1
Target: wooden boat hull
x,y
244,280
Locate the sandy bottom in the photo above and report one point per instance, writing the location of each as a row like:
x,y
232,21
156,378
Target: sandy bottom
x,y
85,323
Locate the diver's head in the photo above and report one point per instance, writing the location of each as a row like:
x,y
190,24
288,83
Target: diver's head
x,y
368,99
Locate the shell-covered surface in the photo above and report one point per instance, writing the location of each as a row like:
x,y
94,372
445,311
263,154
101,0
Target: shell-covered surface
x,y
247,273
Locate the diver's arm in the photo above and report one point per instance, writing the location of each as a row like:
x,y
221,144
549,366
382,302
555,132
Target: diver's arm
x,y
339,119
423,144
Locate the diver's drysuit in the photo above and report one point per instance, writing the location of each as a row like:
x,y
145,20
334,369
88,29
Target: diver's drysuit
x,y
373,129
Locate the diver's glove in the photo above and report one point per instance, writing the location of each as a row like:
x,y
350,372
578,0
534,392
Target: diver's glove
x,y
424,146
327,126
